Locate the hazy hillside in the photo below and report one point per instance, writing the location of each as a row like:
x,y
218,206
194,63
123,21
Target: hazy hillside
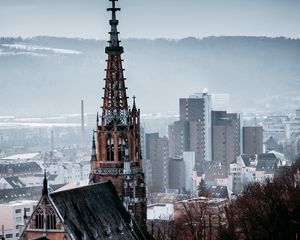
x,y
51,75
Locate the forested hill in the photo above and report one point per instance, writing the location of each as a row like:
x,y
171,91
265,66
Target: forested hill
x,y
49,75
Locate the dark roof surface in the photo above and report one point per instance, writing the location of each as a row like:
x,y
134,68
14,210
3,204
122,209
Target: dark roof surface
x,y
247,159
28,193
15,182
96,212
267,162
19,168
215,171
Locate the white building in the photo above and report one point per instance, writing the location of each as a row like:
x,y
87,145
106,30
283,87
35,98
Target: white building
x,y
241,172
160,211
189,165
11,217
220,101
249,168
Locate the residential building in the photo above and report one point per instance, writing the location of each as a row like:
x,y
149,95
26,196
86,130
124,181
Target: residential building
x,y
12,214
252,140
176,174
197,108
189,160
249,168
159,160
225,137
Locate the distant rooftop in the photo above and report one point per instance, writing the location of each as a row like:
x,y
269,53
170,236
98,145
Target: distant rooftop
x,y
24,156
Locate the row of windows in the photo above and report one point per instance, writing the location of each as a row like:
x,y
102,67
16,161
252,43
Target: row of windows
x,y
20,210
50,221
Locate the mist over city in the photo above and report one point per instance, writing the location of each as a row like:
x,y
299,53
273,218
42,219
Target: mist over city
x,y
149,119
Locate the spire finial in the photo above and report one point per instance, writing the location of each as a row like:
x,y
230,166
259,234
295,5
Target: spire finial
x,y
114,39
133,105
45,184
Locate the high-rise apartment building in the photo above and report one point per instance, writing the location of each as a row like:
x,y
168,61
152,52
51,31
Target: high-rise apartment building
x,y
252,140
159,156
193,131
225,137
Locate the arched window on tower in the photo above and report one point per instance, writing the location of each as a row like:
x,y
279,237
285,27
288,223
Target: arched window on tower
x,y
39,219
110,149
121,149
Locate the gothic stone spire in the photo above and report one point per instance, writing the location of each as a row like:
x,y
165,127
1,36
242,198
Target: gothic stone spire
x,y
115,107
118,155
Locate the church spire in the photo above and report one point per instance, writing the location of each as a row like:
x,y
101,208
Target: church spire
x,y
118,155
115,106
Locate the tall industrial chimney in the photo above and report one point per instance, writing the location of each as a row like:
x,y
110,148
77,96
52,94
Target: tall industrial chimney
x,y
82,125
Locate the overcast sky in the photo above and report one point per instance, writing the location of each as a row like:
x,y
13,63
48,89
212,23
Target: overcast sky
x,y
151,18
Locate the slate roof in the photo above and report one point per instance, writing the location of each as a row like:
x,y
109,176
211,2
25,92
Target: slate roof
x,y
15,182
267,162
19,168
247,159
29,193
215,171
96,212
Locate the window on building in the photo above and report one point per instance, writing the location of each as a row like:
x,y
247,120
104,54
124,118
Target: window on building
x,y
110,149
18,211
51,222
39,219
17,234
18,220
8,235
121,149
27,209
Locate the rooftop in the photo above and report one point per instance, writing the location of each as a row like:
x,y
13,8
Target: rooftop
x,y
96,212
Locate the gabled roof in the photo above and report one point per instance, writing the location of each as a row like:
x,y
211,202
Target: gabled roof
x,y
247,159
15,182
9,168
96,212
267,162
52,177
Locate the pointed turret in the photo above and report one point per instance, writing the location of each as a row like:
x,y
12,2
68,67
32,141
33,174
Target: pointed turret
x,y
45,184
94,154
134,109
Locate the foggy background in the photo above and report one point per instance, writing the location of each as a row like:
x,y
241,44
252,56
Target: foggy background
x,y
50,75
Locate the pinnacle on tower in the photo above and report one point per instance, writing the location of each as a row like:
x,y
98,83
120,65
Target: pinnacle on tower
x,y
45,184
94,154
134,109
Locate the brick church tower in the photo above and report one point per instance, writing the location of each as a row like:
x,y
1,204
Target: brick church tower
x,y
117,150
